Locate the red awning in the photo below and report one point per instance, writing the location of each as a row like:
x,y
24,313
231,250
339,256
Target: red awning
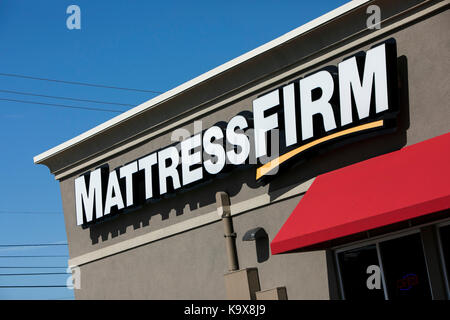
x,y
394,187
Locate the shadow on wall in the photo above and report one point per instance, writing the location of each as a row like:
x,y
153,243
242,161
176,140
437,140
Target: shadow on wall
x,y
203,195
187,201
261,241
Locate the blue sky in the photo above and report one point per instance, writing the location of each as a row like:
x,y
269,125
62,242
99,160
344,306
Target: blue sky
x,y
135,44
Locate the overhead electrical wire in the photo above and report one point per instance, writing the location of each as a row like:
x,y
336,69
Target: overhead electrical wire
x,y
30,212
61,105
32,245
76,83
31,267
32,274
64,98
37,256
43,286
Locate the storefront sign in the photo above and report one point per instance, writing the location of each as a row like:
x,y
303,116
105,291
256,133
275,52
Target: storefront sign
x,y
356,97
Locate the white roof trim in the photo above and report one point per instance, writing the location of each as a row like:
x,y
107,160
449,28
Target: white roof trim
x,y
208,75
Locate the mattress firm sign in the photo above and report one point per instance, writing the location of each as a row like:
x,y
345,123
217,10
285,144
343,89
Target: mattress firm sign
x,y
354,99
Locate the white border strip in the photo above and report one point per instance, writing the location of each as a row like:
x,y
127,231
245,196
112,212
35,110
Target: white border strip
x,y
208,75
190,224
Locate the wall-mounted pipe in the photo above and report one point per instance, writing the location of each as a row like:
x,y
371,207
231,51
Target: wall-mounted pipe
x,y
223,210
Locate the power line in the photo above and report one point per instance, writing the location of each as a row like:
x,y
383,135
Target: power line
x,y
32,245
38,256
49,286
76,83
29,212
32,274
38,267
61,105
64,98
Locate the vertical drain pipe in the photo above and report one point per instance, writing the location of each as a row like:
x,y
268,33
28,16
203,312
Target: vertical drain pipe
x,y
223,210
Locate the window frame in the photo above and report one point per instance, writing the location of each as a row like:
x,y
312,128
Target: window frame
x,y
442,257
390,236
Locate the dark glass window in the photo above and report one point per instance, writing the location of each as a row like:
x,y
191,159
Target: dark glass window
x,y
404,268
353,265
445,243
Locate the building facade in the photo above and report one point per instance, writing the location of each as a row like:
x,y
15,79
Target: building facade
x,y
318,139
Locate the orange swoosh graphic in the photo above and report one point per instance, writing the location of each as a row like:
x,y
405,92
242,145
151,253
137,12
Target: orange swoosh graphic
x,y
266,168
